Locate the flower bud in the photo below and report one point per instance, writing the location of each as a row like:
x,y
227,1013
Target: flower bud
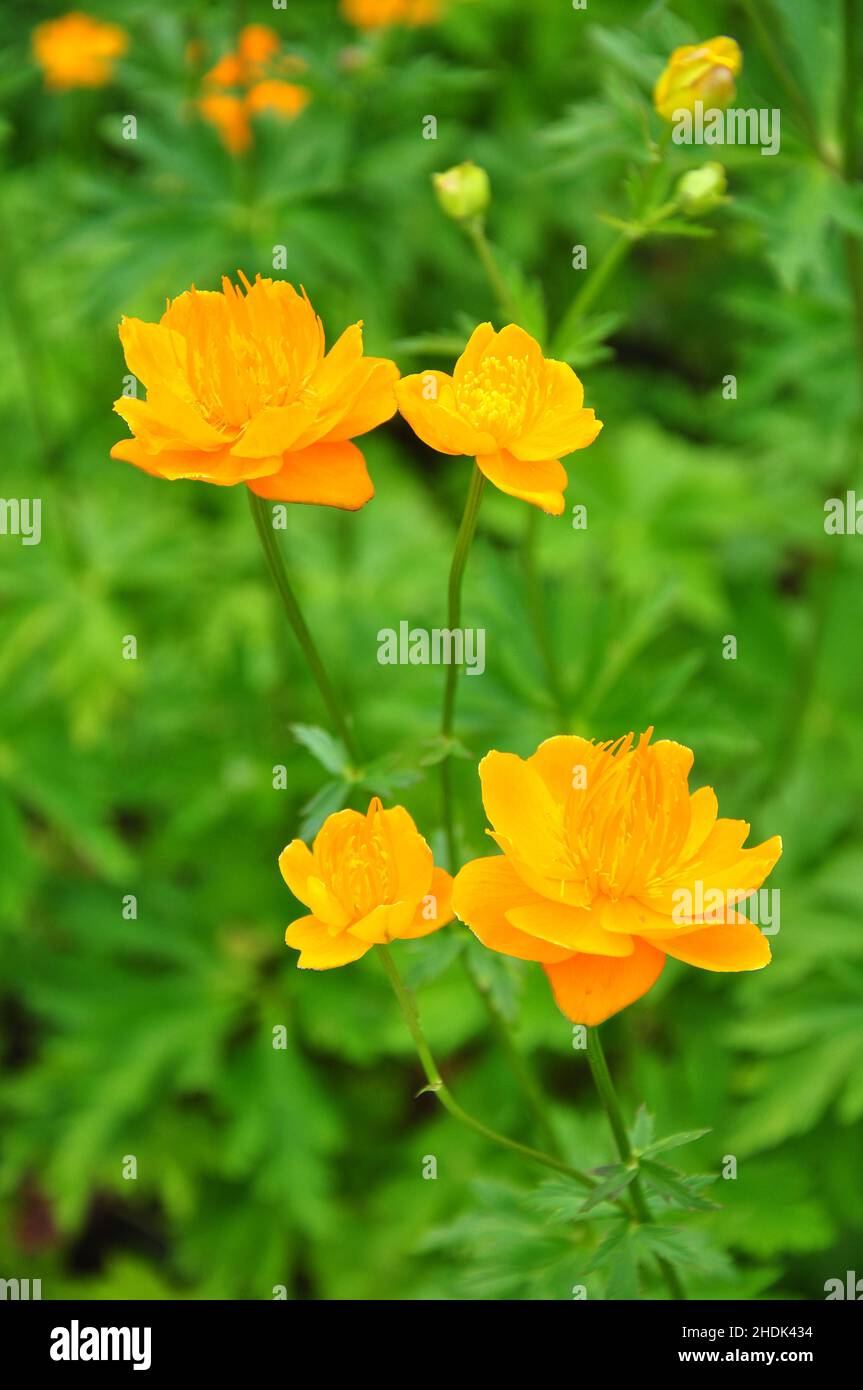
x,y
701,190
702,72
463,191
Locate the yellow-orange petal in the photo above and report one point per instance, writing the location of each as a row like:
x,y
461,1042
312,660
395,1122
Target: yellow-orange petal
x,y
331,475
630,916
275,430
410,854
178,465
435,910
541,483
589,989
319,949
387,922
374,404
163,421
572,927
155,354
296,865
524,814
703,810
427,401
735,945
483,892
560,424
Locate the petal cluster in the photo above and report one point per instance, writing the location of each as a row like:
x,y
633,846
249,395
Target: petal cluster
x,y
77,50
240,389
368,879
249,81
698,72
513,410
609,865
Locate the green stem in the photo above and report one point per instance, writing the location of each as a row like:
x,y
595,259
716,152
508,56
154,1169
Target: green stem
x,y
608,1096
442,1091
518,1064
262,517
475,229
537,608
592,287
786,79
456,574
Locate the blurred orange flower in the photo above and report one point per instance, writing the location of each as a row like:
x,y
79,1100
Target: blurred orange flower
x,y
78,51
282,98
515,411
229,114
253,72
367,880
380,14
241,390
609,865
698,72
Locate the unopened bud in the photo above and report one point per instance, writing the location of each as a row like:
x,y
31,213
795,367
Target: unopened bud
x,y
701,190
463,191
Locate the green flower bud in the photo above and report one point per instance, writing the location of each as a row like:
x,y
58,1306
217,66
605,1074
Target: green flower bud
x,y
701,190
463,191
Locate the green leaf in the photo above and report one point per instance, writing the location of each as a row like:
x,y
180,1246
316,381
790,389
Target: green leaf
x,y
673,1188
673,1141
618,1180
329,751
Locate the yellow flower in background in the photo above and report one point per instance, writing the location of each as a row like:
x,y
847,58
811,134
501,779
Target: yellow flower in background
x,y
240,389
228,113
513,410
281,98
367,880
609,865
249,82
78,51
381,14
702,72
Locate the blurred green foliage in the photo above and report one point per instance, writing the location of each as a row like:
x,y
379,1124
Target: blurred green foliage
x,y
153,1037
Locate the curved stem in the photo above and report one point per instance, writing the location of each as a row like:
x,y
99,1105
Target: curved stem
x,y
445,1096
608,1096
591,289
456,574
518,1063
786,79
262,517
476,232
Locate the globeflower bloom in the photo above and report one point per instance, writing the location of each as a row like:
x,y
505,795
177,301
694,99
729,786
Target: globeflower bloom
x,y
249,81
381,14
78,51
702,72
610,865
240,389
515,411
367,880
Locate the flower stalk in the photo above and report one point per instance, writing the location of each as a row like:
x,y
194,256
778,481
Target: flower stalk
x,y
611,1105
262,517
410,1013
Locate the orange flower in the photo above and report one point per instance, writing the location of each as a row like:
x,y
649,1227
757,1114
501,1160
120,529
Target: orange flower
x,y
251,72
380,14
281,98
241,390
698,72
609,865
229,115
77,50
367,880
511,408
